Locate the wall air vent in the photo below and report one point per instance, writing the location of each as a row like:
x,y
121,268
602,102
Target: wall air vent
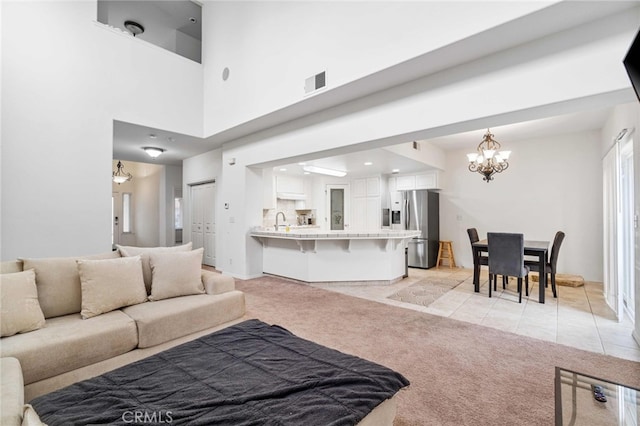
x,y
416,146
315,82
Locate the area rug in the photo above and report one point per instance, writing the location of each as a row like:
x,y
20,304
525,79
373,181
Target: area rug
x,y
426,291
460,373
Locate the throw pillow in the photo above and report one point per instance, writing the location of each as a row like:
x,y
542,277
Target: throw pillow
x,y
110,284
19,307
176,274
59,284
126,251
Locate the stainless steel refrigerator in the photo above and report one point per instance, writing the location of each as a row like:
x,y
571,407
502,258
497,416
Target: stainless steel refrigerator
x,y
422,212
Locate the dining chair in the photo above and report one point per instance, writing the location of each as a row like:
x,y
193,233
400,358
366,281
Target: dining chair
x,y
550,266
506,258
484,260
473,238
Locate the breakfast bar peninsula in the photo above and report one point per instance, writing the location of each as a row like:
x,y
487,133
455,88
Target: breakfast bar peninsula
x,y
315,255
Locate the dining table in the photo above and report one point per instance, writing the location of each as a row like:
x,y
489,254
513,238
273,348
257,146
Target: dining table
x,y
539,249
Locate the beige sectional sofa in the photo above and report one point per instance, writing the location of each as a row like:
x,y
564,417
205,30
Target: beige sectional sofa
x,y
65,348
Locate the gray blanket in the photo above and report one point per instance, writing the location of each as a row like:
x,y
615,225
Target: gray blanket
x,y
247,374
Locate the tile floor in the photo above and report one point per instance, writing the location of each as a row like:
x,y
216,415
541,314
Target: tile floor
x,y
579,317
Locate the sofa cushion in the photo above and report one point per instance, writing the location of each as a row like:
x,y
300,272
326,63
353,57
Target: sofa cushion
x,y
68,342
19,308
110,284
58,283
127,251
176,274
168,319
30,417
11,266
216,283
11,392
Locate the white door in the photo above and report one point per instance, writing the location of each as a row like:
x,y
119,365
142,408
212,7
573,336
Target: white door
x,y
338,208
610,235
203,220
627,228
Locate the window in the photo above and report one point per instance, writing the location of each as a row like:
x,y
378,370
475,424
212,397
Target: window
x,y
126,212
178,212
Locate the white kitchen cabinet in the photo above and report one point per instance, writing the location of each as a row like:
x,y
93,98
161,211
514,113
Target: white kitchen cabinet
x,y
427,180
289,184
373,186
366,203
359,188
373,213
393,184
404,183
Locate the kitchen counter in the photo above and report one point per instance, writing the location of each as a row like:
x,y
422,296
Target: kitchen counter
x,y
316,255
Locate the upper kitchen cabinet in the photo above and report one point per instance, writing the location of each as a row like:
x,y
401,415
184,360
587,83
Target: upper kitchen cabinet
x,y
427,180
289,185
405,183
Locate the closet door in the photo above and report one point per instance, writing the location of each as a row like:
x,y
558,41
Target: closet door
x,y
203,220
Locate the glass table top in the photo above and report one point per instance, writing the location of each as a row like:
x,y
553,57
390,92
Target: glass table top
x,y
581,399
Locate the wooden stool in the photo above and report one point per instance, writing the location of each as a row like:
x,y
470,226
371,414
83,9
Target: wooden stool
x,y
445,251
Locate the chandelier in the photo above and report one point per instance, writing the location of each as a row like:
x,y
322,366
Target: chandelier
x,y
488,160
121,176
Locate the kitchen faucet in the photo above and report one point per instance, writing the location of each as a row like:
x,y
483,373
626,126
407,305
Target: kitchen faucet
x,y
283,219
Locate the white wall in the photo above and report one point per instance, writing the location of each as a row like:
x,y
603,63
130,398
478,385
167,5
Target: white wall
x,y
63,83
270,48
551,76
170,182
628,117
146,205
552,184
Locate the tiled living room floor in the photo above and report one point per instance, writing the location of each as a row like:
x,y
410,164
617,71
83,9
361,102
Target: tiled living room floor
x,y
579,317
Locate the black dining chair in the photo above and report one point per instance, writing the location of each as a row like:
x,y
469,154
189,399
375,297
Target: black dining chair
x,y
484,260
473,238
506,258
550,266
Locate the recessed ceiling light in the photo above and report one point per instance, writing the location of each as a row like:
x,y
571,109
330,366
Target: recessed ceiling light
x,y
368,163
302,164
395,171
193,20
323,171
307,173
152,136
283,169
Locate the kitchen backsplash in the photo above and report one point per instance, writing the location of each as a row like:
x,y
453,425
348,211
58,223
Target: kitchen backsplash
x,y
288,207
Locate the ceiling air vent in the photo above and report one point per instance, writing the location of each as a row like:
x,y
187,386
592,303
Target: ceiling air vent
x,y
315,82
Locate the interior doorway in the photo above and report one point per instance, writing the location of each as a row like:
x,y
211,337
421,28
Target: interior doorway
x,y
203,220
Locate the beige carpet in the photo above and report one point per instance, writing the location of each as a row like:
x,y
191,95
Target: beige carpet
x,y
460,373
426,291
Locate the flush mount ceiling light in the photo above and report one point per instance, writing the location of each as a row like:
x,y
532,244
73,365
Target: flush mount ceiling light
x,y
488,160
134,28
323,171
120,176
153,151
